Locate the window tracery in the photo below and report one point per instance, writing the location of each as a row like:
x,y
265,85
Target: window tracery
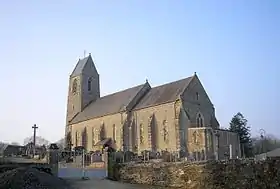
x,y
199,120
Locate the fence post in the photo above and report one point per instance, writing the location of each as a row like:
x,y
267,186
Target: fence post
x,y
230,151
83,164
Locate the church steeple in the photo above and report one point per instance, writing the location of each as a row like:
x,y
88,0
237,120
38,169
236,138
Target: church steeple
x,y
84,87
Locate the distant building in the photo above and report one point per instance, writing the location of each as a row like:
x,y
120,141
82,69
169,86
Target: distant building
x,y
13,150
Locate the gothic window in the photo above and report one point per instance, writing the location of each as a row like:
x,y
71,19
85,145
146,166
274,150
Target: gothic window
x,y
74,86
141,133
89,84
114,132
84,137
76,138
102,132
199,121
165,131
92,137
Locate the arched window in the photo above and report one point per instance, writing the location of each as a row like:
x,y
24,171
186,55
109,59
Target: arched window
x,y
76,138
74,86
199,121
89,84
92,136
102,132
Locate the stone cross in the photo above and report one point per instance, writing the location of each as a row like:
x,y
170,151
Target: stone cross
x,y
34,127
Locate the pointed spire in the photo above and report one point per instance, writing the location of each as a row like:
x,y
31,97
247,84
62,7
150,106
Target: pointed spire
x,y
194,73
146,80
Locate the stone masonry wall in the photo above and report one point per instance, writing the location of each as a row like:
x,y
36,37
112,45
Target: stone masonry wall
x,y
210,175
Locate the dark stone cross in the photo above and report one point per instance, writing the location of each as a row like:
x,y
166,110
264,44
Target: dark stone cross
x,y
34,127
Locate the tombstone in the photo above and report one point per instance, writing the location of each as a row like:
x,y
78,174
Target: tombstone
x,y
53,158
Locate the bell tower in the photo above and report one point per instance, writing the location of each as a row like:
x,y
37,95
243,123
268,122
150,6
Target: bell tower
x,y
83,89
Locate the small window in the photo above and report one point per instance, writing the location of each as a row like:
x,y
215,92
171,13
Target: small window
x,y
196,96
74,86
89,84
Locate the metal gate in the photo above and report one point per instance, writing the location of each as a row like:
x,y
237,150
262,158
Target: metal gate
x,y
82,165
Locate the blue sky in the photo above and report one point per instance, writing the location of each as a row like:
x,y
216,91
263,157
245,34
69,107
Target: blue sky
x,y
234,46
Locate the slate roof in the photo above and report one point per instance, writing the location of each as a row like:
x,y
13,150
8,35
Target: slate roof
x,y
117,102
80,66
274,153
109,104
164,93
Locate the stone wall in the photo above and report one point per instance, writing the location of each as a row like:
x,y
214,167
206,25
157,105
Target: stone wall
x,y
210,175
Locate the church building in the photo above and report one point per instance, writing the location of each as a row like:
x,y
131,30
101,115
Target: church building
x,y
176,116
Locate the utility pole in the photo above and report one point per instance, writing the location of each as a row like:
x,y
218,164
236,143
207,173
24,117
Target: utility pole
x,y
34,127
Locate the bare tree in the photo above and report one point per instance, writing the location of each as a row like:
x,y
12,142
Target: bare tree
x,y
266,143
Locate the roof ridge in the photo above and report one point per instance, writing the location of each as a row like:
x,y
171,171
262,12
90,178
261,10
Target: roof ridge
x,y
172,82
167,92
122,90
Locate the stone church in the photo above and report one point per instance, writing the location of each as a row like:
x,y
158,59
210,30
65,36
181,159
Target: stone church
x,y
176,116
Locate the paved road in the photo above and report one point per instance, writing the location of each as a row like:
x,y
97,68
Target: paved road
x,y
105,184
78,173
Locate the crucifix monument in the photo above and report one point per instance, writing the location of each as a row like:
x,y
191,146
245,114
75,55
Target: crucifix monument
x,y
34,127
